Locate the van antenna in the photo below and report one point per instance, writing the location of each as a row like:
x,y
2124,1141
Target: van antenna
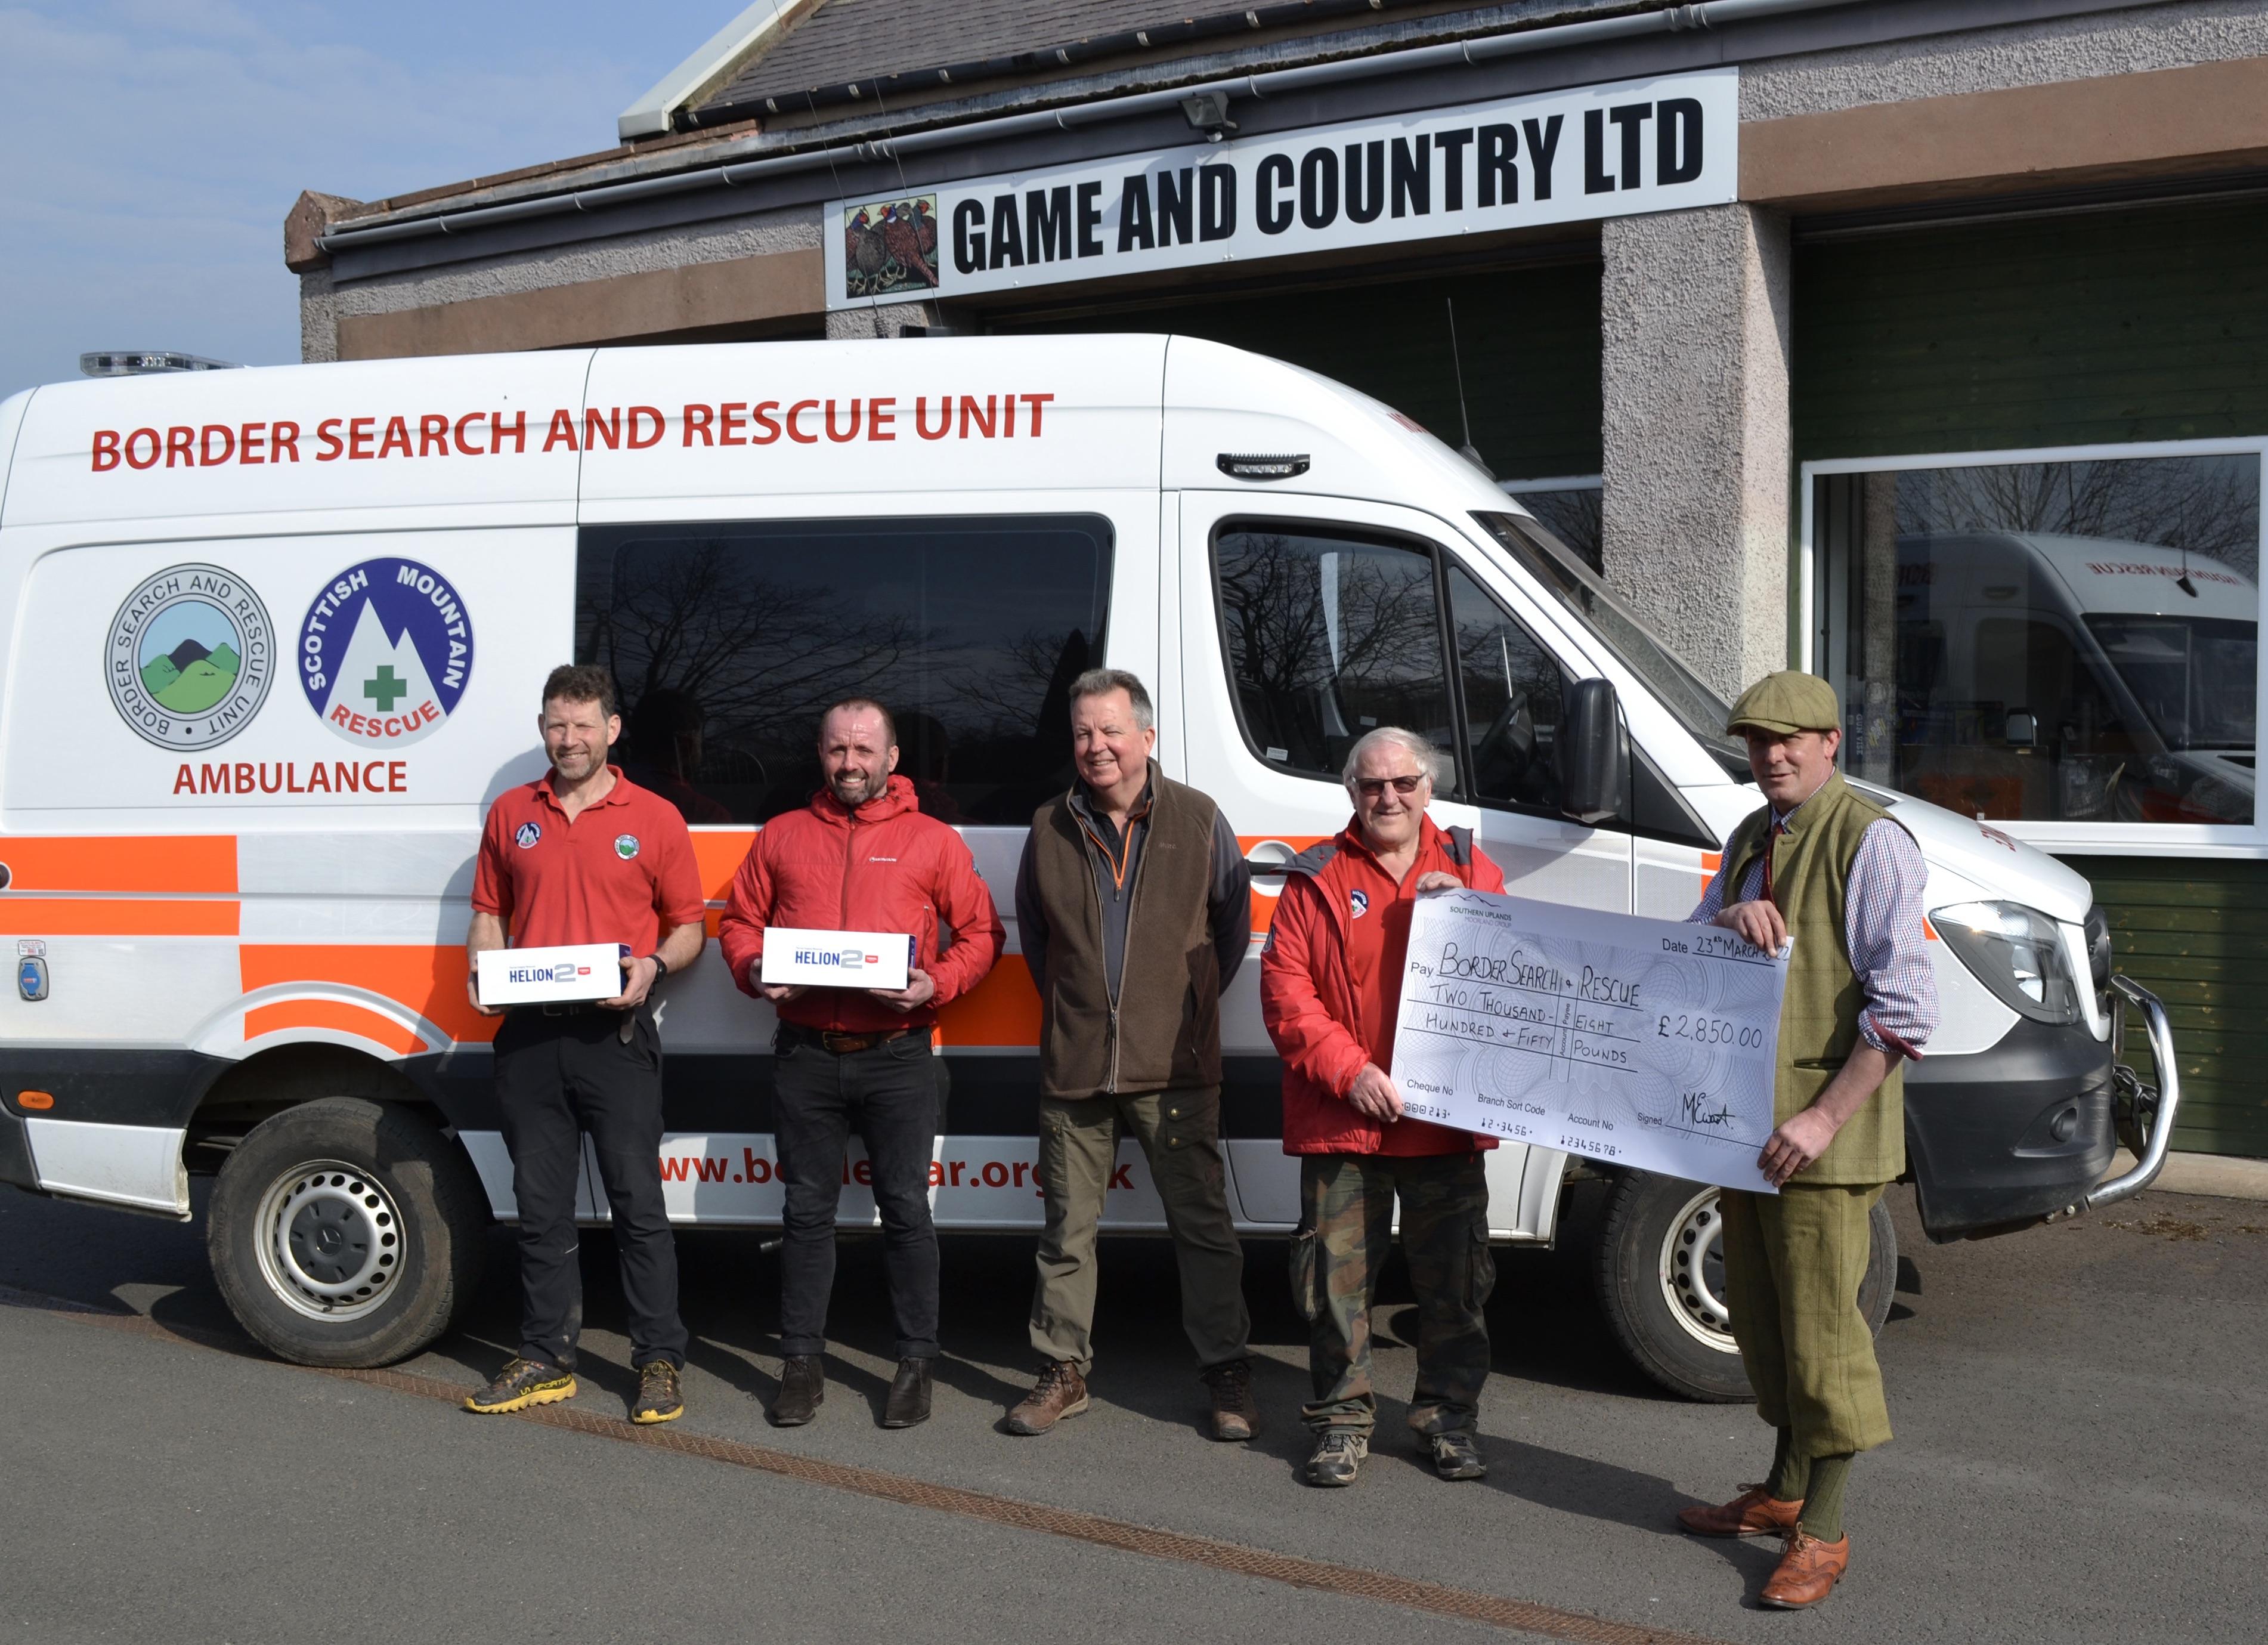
x,y
1457,365
2182,582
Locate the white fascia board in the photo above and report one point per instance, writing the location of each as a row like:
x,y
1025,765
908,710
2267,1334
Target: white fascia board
x,y
649,116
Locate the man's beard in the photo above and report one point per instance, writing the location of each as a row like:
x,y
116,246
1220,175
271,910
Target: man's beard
x,y
853,788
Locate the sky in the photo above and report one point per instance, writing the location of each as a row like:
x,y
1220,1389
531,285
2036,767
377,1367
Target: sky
x,y
153,146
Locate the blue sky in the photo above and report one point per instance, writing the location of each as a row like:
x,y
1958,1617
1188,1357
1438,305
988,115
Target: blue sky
x,y
153,146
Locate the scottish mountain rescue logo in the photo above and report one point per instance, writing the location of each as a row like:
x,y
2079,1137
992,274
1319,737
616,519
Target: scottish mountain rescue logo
x,y
190,657
385,652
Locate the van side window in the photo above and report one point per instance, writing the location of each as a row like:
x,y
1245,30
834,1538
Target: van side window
x,y
727,641
1328,636
1511,689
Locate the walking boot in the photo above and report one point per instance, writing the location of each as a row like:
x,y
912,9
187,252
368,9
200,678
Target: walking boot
x,y
660,1396
1456,1455
1060,1393
909,1401
1339,1457
1807,1572
1753,1513
1234,1414
803,1389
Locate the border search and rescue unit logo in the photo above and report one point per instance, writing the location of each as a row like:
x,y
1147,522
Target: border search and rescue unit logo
x,y
385,652
190,657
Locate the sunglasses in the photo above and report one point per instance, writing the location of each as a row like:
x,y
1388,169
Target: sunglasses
x,y
1372,787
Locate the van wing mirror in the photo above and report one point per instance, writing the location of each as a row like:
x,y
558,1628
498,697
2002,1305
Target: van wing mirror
x,y
1593,753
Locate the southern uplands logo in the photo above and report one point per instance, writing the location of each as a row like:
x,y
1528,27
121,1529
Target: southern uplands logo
x,y
190,656
384,653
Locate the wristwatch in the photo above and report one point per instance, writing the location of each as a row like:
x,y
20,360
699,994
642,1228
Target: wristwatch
x,y
661,966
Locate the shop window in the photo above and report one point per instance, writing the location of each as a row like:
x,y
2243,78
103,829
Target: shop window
x,y
2051,642
727,641
1331,635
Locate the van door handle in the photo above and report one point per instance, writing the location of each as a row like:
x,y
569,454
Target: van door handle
x,y
1270,857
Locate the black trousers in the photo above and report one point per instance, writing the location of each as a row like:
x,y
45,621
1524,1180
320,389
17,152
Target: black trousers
x,y
557,1077
890,1093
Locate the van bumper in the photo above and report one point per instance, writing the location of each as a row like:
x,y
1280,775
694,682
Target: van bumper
x,y
2003,1139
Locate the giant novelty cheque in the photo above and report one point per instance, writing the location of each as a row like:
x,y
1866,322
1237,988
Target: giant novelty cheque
x,y
1644,1042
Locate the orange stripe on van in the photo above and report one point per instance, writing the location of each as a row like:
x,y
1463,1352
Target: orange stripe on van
x,y
122,862
338,1015
116,917
1004,1009
716,857
430,981
1263,904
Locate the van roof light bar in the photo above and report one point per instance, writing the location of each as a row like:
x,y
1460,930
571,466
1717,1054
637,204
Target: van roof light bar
x,y
140,362
1261,465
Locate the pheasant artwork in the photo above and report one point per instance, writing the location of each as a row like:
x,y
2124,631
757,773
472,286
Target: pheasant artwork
x,y
864,252
901,233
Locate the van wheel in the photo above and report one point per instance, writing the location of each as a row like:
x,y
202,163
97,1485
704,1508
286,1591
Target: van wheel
x,y
346,1232
1662,1284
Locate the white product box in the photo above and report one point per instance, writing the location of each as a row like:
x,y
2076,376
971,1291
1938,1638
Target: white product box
x,y
837,959
528,976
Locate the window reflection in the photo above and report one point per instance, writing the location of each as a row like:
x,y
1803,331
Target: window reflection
x,y
726,641
2052,642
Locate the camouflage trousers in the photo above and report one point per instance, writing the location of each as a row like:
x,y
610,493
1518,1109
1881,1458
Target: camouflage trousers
x,y
1346,1210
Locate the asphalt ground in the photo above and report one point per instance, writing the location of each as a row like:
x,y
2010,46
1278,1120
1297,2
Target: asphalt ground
x,y
2078,1458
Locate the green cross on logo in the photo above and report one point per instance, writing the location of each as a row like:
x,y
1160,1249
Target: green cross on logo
x,y
385,690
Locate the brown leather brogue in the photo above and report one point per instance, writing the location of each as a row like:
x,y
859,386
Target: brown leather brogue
x,y
1807,1572
1060,1393
1755,1512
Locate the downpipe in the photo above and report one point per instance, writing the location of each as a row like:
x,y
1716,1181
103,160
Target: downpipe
x,y
2152,1107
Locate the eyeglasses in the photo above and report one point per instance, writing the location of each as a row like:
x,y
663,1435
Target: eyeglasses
x,y
1372,787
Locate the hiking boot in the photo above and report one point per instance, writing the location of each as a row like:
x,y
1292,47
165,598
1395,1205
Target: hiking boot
x,y
658,1398
1338,1457
1455,1456
522,1384
1060,1393
910,1391
803,1390
1235,1416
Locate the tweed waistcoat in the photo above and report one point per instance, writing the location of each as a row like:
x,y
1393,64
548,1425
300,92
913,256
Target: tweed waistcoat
x,y
1819,1017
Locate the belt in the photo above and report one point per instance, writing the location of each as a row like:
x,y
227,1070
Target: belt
x,y
844,1045
571,1009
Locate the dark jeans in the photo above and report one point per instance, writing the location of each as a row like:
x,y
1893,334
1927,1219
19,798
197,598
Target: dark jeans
x,y
890,1093
557,1077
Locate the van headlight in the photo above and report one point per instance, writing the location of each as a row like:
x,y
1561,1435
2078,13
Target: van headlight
x,y
2016,952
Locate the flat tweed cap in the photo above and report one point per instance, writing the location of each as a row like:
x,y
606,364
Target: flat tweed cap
x,y
1788,701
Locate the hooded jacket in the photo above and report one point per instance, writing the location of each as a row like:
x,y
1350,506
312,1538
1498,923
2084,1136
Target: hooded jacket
x,y
882,867
1307,997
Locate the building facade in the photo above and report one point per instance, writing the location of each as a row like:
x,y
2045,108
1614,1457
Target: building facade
x,y
1921,344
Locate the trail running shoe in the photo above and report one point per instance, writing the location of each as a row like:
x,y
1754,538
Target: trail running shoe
x,y
658,1398
522,1384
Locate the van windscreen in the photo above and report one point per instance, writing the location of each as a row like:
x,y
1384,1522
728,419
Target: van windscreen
x,y
1563,575
728,640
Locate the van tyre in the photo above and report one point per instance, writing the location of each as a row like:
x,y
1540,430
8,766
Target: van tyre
x,y
347,1232
1662,1283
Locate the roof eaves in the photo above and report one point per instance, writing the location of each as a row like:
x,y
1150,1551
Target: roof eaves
x,y
709,68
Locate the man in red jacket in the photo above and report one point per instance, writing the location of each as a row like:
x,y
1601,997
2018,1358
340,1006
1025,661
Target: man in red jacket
x,y
861,857
1329,987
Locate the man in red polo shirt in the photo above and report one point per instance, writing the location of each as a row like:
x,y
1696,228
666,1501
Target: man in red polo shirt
x,y
580,855
1329,988
861,857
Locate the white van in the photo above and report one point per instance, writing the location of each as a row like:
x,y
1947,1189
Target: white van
x,y
273,640
2075,679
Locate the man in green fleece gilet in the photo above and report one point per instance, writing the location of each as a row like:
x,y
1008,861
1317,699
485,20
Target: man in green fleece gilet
x,y
1822,863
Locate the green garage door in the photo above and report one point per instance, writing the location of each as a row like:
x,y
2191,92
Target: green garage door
x,y
2112,327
